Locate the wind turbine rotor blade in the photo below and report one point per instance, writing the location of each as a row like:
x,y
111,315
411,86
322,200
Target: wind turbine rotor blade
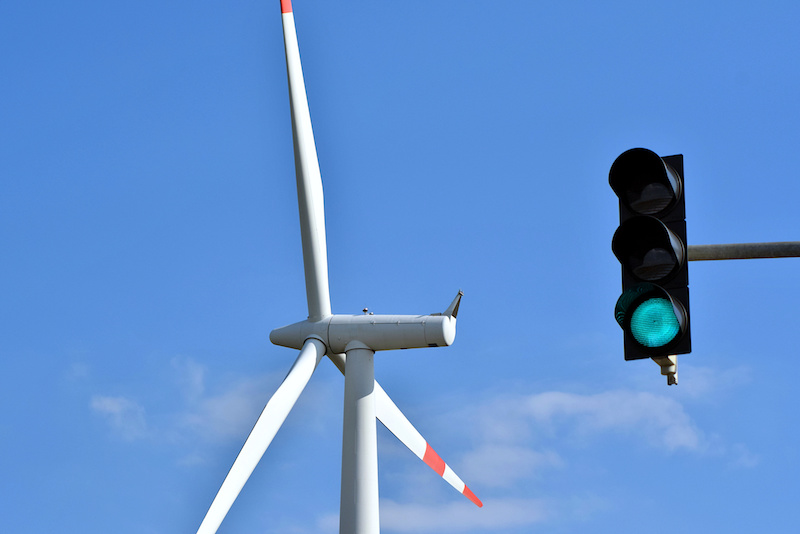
x,y
398,424
267,425
309,182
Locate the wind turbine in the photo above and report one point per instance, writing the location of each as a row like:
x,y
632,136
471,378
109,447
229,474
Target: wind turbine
x,y
350,341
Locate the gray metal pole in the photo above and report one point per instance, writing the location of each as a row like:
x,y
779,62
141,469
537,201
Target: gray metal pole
x,y
744,251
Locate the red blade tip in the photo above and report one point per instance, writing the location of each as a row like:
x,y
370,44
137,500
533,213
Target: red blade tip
x,y
286,6
471,496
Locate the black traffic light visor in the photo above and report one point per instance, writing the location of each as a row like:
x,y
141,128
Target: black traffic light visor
x,y
644,183
648,250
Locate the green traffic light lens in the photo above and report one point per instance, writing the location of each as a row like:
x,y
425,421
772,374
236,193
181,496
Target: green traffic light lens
x,y
654,324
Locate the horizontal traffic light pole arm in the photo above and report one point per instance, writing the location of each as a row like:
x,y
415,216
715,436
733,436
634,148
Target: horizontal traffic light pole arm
x,y
744,251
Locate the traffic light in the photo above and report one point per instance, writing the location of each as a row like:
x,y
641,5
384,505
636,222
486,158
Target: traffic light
x,y
650,243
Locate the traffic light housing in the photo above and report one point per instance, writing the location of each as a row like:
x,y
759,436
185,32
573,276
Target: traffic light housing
x,y
650,243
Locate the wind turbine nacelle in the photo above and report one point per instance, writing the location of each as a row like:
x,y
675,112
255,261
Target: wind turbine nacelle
x,y
378,332
389,332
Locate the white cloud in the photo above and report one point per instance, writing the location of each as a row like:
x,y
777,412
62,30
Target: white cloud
x,y
659,420
497,514
497,465
518,439
126,417
218,412
230,413
462,516
78,371
742,457
191,377
703,382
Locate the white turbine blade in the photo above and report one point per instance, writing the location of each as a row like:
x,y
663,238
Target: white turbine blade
x,y
270,420
398,424
309,181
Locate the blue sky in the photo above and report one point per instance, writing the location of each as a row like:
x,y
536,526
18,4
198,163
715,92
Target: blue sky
x,y
150,242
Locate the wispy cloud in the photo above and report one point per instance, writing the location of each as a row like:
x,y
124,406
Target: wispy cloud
x,y
222,410
705,382
78,371
518,442
658,420
229,413
497,514
496,465
125,416
742,457
190,376
462,516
